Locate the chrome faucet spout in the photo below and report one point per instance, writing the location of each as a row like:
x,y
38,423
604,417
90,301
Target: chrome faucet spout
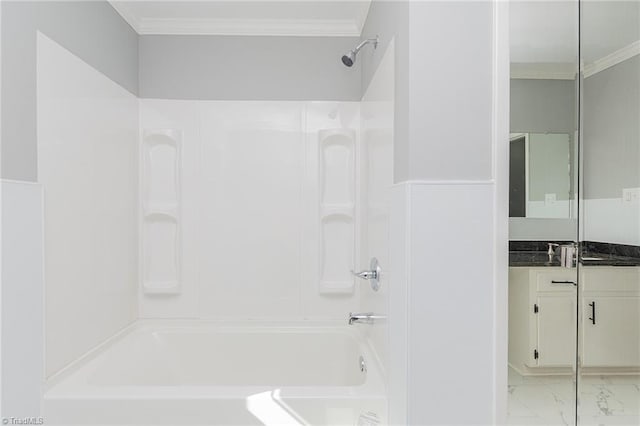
x,y
365,318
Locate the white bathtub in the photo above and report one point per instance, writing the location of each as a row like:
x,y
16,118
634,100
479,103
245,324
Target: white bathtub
x,y
187,373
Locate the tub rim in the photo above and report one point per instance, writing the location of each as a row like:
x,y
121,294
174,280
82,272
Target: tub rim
x,y
68,383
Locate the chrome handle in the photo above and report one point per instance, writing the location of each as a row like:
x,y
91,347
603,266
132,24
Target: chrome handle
x,y
373,274
365,318
366,275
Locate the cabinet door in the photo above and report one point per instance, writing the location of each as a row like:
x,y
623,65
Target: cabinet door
x,y
556,330
614,339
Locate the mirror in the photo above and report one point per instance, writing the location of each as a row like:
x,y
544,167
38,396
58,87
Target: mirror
x,y
574,275
539,175
543,226
609,268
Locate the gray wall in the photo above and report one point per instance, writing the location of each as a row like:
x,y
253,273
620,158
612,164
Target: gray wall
x,y
91,30
533,229
434,121
611,141
539,106
247,68
390,21
450,133
173,67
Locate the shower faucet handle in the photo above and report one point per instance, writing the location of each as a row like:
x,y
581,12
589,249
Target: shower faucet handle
x,y
373,275
366,275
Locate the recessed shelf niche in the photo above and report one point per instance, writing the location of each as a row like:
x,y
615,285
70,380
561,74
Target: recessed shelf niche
x,y
160,195
337,210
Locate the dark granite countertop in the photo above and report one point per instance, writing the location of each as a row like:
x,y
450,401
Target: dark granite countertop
x,y
534,254
602,259
532,258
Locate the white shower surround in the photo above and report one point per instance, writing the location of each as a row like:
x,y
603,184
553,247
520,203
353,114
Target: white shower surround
x,y
87,162
264,195
268,208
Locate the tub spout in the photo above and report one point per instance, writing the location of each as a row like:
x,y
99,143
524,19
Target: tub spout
x,y
365,318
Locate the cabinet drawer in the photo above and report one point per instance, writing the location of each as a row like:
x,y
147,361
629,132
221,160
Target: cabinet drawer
x,y
556,280
621,279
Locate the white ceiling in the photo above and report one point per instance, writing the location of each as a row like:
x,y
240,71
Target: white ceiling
x,y
547,31
608,26
239,17
544,32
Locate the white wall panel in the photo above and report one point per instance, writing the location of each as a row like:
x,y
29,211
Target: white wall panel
x,y
87,163
22,299
451,344
445,305
399,276
251,208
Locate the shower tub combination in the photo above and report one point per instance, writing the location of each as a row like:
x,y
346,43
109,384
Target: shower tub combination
x,y
183,373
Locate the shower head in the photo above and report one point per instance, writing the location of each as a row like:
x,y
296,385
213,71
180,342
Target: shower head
x,y
350,58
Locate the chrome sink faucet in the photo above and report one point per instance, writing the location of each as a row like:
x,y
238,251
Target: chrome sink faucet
x,y
365,318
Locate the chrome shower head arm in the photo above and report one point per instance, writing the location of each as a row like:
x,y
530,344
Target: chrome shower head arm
x,y
350,58
363,43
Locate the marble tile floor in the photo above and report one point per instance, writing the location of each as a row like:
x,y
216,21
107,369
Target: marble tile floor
x,y
549,400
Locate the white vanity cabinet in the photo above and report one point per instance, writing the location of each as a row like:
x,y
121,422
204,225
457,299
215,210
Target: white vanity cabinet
x,y
610,323
542,319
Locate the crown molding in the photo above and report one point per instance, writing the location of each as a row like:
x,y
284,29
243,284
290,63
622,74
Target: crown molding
x,y
543,71
242,27
126,14
361,20
249,27
612,59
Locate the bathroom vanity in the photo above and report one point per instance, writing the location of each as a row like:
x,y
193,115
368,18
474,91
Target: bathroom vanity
x,y
543,317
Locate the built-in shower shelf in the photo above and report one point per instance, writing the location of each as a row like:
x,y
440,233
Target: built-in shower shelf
x,y
160,211
336,203
165,136
160,215
160,287
331,210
